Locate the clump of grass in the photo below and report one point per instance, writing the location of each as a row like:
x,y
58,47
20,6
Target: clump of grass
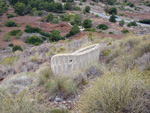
x,y
117,93
20,103
6,38
9,60
143,48
62,49
51,51
56,84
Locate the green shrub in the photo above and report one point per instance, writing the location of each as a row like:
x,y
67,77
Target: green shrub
x,y
55,36
11,45
131,4
88,29
76,8
10,23
63,0
102,26
121,14
80,3
3,7
147,3
30,29
87,9
78,19
17,48
18,35
111,32
55,21
50,17
121,23
66,17
72,23
10,15
116,92
87,23
132,24
112,18
34,40
20,8
68,6
125,31
14,32
112,11
92,3
145,21
74,30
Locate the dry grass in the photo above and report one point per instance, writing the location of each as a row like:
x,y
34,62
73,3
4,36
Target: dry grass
x,y
20,103
56,84
117,93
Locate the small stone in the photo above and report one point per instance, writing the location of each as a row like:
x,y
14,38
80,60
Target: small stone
x,y
57,99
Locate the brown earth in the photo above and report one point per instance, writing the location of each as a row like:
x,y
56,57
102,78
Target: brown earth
x,y
63,27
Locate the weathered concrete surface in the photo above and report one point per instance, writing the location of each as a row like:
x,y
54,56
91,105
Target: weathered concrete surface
x,y
67,63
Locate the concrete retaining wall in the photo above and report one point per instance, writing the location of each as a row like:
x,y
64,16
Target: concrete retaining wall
x,y
67,63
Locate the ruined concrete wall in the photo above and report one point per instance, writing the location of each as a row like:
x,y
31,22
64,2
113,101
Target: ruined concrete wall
x,y
67,63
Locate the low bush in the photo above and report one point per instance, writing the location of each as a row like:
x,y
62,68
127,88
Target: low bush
x,y
74,30
11,45
125,31
34,40
6,38
87,9
18,35
65,17
10,15
117,92
55,36
131,4
132,24
14,32
56,84
112,11
121,14
55,21
10,23
30,29
17,48
121,23
9,60
87,23
112,18
145,21
88,29
50,18
147,3
102,26
111,32
76,8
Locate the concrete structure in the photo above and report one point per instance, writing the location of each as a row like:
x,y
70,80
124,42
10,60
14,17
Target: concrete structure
x,y
67,63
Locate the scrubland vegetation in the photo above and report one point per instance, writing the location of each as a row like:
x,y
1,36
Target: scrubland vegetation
x,y
120,82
